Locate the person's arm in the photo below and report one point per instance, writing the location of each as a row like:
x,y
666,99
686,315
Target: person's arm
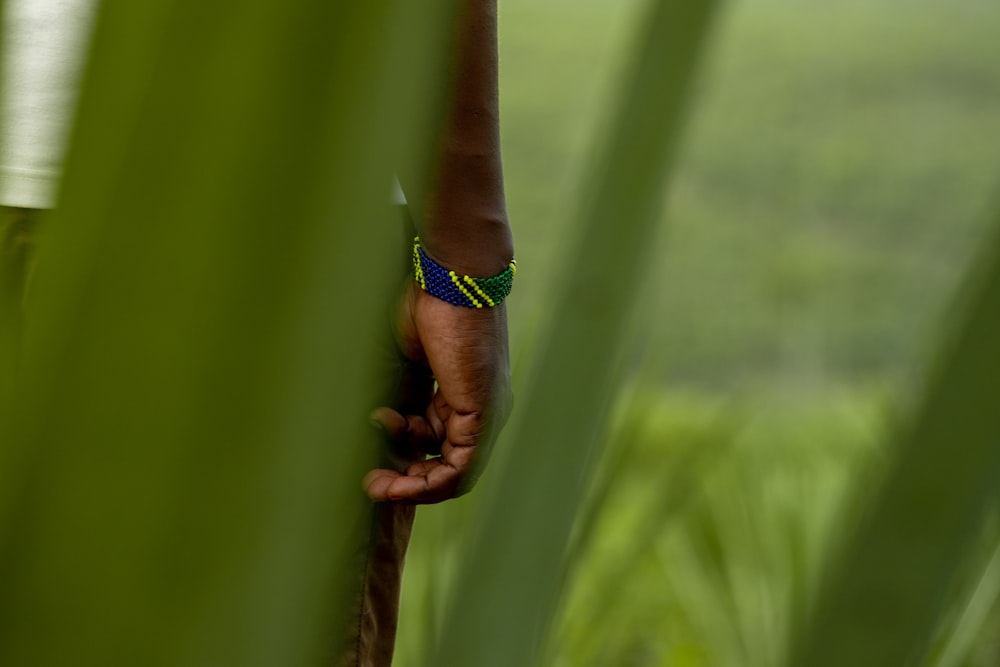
x,y
466,225
464,229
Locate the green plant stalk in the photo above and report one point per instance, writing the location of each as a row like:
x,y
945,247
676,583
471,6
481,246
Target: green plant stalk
x,y
889,589
184,474
974,617
511,579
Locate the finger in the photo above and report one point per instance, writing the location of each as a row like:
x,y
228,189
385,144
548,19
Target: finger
x,y
468,460
393,422
377,482
411,431
381,484
424,482
435,482
466,429
467,446
437,479
459,457
421,468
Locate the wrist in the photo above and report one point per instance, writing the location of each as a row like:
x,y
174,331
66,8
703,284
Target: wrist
x,y
482,248
461,289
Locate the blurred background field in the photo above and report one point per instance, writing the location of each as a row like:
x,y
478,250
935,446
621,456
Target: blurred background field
x,y
836,177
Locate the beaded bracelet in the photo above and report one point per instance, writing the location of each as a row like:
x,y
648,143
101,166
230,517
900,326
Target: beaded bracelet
x,y
460,290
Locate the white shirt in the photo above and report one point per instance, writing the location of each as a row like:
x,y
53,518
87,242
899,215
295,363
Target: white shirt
x,y
43,43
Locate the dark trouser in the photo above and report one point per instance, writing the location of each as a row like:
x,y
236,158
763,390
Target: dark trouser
x,y
372,632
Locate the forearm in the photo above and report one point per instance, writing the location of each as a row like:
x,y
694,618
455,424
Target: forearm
x,y
465,225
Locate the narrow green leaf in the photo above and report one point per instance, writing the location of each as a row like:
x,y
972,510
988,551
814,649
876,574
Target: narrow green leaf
x,y
888,592
506,594
974,617
183,484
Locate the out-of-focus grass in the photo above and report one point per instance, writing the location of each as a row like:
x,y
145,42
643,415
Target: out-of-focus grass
x,y
709,547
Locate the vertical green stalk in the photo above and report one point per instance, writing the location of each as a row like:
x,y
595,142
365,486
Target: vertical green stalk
x,y
889,590
184,474
510,583
961,640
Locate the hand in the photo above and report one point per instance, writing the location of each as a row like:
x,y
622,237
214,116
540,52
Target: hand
x,y
466,352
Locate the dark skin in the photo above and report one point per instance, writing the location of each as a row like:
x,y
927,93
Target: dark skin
x,y
464,350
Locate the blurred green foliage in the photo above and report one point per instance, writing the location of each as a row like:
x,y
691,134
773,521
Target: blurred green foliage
x,y
184,432
838,176
168,489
